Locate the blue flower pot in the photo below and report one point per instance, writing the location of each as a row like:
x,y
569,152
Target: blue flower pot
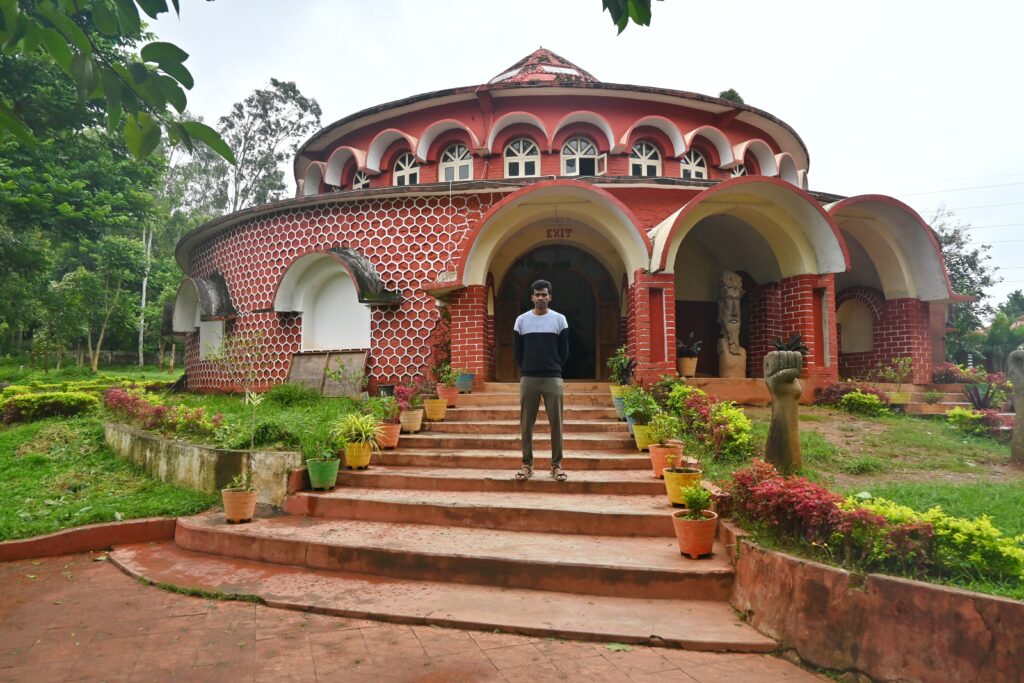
x,y
630,423
464,383
620,410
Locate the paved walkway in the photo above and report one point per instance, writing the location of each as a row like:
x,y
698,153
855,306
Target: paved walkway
x,y
77,619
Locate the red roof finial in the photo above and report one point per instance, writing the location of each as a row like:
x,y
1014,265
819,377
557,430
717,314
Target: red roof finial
x,y
543,66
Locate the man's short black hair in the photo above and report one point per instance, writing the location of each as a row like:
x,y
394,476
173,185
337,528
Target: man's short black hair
x,y
540,284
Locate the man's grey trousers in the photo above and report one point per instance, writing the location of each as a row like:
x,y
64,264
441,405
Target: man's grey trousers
x,y
531,391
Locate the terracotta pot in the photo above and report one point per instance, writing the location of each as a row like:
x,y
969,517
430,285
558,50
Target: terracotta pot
x,y
696,537
464,382
687,366
660,457
678,478
436,408
239,506
411,420
357,455
387,434
641,434
323,474
449,393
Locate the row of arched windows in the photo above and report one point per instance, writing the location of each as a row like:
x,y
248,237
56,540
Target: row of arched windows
x,y
522,159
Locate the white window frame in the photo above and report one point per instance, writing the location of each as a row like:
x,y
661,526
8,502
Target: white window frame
x,y
406,171
739,170
644,156
578,148
694,162
455,159
360,181
522,151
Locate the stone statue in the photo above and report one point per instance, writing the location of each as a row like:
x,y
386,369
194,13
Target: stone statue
x,y
732,358
1015,373
781,374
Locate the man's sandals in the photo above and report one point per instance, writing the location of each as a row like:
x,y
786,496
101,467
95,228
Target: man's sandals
x,y
525,472
558,474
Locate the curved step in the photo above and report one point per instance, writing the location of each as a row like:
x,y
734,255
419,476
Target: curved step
x,y
554,513
690,624
596,565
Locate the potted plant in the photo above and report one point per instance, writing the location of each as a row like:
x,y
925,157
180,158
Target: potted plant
x,y
678,477
386,410
358,432
239,498
695,525
446,375
639,407
621,366
322,461
665,448
898,372
410,406
435,406
687,351
464,381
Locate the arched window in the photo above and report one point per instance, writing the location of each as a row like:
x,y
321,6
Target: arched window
x,y
360,181
522,159
456,164
856,327
644,160
407,171
738,170
693,166
580,157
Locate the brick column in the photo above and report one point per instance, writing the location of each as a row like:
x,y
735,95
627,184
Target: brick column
x,y
468,308
651,325
808,309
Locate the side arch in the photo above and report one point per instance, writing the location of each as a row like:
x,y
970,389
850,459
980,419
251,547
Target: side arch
x,y
720,142
590,117
339,159
380,144
761,152
313,179
671,131
511,119
432,132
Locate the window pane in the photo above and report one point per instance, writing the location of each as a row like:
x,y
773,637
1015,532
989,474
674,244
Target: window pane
x,y
529,168
686,174
464,172
413,178
449,173
513,169
636,169
588,167
570,167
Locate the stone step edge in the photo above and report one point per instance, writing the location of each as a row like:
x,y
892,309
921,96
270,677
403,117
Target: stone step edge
x,y
603,622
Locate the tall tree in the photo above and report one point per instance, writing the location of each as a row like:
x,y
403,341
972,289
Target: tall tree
x,y
969,273
1013,307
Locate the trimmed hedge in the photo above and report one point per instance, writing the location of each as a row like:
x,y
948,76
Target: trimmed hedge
x,y
31,407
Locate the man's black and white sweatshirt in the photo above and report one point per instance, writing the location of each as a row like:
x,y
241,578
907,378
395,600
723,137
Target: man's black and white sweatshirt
x,y
541,343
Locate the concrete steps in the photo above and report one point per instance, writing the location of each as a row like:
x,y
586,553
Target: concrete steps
x,y
541,441
418,479
509,458
458,424
690,624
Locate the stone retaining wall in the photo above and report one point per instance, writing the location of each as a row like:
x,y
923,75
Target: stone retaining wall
x,y
889,628
204,468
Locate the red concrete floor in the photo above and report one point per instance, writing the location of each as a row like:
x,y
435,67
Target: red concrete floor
x,y
75,618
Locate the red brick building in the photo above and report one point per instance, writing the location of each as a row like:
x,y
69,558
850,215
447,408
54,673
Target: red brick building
x,y
631,200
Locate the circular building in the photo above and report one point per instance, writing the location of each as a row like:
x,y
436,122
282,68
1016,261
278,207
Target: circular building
x,y
650,211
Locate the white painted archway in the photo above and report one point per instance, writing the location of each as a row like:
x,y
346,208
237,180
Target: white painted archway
x,y
320,288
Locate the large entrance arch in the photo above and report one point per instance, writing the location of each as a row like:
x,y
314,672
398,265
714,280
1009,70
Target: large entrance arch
x,y
582,289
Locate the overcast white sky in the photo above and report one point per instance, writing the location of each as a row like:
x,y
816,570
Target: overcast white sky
x,y
919,100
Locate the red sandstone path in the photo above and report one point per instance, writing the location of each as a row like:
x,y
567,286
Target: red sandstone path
x,y
76,619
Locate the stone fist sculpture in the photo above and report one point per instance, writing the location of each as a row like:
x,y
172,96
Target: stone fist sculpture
x,y
1015,373
781,374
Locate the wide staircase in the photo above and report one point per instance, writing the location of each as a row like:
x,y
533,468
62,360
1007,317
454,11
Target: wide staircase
x,y
438,531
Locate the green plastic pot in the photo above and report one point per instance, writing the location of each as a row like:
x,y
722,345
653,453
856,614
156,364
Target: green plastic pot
x,y
323,474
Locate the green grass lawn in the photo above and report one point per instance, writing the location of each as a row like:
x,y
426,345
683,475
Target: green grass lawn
x,y
17,371
58,473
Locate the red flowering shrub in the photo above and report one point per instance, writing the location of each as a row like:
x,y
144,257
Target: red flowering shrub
x,y
133,407
832,394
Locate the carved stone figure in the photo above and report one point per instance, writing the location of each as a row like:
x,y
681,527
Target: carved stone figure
x,y
1015,373
781,374
732,358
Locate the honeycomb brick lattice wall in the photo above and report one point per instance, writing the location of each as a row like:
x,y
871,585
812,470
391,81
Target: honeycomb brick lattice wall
x,y
410,241
901,329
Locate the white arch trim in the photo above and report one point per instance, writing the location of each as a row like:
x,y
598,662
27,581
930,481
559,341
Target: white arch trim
x,y
717,138
802,178
339,158
186,307
314,176
380,144
670,130
431,133
762,152
512,119
801,235
899,244
590,117
787,168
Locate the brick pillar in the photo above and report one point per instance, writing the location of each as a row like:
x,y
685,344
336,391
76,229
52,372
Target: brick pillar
x,y
651,325
765,310
468,308
808,309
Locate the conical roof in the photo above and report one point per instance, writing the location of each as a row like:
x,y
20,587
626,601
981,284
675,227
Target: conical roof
x,y
543,66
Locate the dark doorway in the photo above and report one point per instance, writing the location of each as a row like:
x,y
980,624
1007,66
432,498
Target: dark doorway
x,y
582,291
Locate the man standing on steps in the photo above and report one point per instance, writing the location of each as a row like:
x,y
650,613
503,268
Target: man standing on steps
x,y
541,344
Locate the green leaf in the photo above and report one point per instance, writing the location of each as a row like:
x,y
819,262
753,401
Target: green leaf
x,y
160,52
67,28
10,122
640,12
58,49
138,72
112,90
141,134
177,10
179,72
153,7
84,74
209,137
128,17
172,92
28,32
104,19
